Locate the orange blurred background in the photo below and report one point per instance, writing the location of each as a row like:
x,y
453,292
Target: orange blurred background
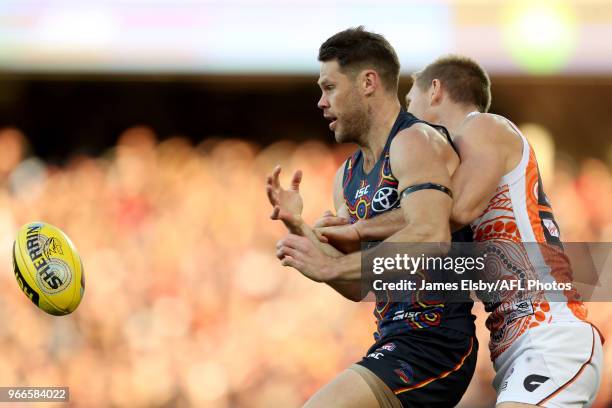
x,y
185,302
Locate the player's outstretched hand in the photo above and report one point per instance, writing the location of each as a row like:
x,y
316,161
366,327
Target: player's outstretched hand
x,y
287,205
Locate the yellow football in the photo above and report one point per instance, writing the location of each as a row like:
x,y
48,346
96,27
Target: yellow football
x,y
48,268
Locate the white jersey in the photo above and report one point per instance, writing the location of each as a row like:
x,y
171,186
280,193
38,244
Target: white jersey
x,y
519,213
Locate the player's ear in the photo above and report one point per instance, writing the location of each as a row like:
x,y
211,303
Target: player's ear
x,y
435,92
371,81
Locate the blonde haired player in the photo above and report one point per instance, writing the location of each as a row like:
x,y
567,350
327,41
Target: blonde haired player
x,y
545,353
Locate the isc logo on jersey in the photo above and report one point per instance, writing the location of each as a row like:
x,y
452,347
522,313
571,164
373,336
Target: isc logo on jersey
x,y
48,268
362,191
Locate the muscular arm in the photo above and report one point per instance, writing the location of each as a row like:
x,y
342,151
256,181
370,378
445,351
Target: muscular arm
x,y
488,150
485,147
414,160
416,157
381,226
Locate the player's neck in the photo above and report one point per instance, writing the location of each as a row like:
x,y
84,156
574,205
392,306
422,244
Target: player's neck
x,y
453,116
382,120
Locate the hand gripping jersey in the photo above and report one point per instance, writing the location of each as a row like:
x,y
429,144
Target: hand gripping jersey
x,y
367,195
518,222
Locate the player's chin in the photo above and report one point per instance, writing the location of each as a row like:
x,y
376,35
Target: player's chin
x,y
339,136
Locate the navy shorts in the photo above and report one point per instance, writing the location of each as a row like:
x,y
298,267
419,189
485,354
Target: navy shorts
x,y
425,368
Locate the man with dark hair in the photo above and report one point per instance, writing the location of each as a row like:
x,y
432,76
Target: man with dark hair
x,y
424,354
354,49
544,351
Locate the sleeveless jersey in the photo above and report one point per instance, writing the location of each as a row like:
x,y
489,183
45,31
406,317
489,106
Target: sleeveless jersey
x,y
367,195
516,221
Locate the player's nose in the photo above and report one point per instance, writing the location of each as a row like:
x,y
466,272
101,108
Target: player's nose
x,y
323,102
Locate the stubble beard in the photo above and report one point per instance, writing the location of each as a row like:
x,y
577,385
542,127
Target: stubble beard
x,y
356,125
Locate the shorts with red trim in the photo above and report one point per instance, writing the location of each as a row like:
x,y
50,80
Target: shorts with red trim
x,y
555,365
425,368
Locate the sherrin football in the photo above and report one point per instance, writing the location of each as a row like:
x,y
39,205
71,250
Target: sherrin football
x,y
48,268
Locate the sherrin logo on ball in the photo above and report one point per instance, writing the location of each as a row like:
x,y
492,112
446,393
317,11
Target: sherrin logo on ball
x,y
48,268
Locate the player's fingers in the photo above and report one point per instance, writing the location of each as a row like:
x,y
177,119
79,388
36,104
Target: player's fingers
x,y
292,262
331,221
284,251
294,241
320,236
275,212
297,179
271,195
287,261
322,222
332,230
275,176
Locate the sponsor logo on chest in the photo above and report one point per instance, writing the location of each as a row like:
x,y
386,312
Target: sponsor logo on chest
x,y
362,191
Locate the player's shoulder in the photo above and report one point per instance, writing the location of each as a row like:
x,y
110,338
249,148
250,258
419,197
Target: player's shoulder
x,y
419,134
486,128
487,122
418,142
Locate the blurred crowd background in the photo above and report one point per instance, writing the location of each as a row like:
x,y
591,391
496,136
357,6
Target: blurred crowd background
x,y
185,302
145,130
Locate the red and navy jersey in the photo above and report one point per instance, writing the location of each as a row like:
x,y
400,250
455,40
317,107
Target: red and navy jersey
x,y
367,195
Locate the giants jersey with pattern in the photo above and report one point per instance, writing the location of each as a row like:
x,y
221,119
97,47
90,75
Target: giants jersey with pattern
x,y
519,225
367,195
